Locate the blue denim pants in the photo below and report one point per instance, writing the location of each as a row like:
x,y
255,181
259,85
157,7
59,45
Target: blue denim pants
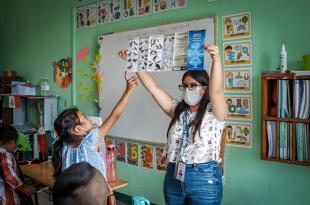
x,y
202,185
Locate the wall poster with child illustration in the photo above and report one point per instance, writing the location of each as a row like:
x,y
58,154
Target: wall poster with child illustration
x,y
238,80
239,134
237,26
237,53
239,107
146,156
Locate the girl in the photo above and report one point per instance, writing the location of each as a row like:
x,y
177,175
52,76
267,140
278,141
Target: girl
x,y
79,139
194,134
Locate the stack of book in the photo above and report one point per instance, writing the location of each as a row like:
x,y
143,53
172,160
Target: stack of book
x,y
302,131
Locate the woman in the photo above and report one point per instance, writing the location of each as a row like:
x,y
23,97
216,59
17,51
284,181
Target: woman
x,y
194,134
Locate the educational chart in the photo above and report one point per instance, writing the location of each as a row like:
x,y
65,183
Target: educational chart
x,y
238,53
91,15
239,134
196,54
147,156
114,10
143,54
133,55
130,9
168,53
103,14
132,153
238,80
120,150
144,7
81,17
155,53
160,5
239,107
236,26
161,161
174,4
180,51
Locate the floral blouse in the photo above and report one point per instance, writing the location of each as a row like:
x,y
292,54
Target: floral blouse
x,y
204,148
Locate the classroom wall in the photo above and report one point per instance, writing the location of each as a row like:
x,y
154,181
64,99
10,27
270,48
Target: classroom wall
x,y
39,32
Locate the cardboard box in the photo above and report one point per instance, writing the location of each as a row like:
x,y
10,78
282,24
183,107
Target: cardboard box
x,y
22,88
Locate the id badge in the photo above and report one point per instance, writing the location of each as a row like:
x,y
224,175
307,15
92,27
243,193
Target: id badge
x,y
179,172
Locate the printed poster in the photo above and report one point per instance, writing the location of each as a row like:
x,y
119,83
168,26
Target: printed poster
x,y
143,53
239,107
176,4
196,57
168,53
237,53
144,7
132,153
155,53
91,15
103,14
120,150
180,51
236,26
147,156
81,17
114,10
238,80
133,55
239,134
130,9
161,161
160,5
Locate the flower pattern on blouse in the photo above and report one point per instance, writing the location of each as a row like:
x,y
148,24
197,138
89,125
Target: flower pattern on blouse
x,y
204,148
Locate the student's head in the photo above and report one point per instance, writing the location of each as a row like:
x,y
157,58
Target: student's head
x,y
228,49
80,184
196,93
71,126
8,137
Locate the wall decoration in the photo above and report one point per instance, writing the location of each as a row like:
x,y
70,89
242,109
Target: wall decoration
x,y
147,156
175,4
144,7
143,53
168,53
120,150
239,134
86,88
238,80
79,70
239,106
82,54
81,17
114,10
237,53
91,15
79,85
236,26
161,161
155,53
132,153
85,61
90,98
133,55
63,72
160,5
80,96
86,75
103,14
130,8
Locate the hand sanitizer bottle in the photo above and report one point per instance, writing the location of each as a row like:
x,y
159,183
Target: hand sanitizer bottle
x,y
283,59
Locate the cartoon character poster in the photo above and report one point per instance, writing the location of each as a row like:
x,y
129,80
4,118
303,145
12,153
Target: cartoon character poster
x,y
120,150
239,134
115,10
161,159
238,80
132,153
236,26
176,4
144,7
237,53
81,17
239,106
63,72
102,12
160,5
130,9
147,156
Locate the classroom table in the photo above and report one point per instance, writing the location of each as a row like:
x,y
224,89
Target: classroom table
x,y
42,173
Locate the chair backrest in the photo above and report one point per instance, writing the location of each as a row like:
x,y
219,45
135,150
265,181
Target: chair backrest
x,y
96,120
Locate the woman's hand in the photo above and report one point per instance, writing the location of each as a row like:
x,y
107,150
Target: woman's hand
x,y
132,83
122,54
213,50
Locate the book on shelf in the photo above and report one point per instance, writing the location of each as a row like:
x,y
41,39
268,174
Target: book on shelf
x,y
271,135
302,99
301,72
277,74
302,140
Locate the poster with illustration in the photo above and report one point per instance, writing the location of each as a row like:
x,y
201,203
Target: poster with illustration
x,y
91,15
143,53
180,51
236,26
133,55
144,7
120,150
130,9
176,4
63,72
132,153
238,53
102,11
239,134
161,161
115,10
160,5
147,156
168,53
239,107
196,52
238,80
81,17
155,53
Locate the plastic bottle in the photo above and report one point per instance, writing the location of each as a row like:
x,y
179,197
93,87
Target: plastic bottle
x,y
43,151
283,59
111,163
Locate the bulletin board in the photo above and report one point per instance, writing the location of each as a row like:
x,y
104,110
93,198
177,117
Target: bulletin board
x,y
142,118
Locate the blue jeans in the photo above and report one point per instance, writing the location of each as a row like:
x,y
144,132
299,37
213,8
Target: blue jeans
x,y
202,185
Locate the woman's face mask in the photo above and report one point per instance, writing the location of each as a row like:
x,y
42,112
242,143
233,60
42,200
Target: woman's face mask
x,y
192,97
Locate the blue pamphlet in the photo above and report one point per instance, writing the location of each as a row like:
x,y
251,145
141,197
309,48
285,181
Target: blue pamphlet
x,y
196,41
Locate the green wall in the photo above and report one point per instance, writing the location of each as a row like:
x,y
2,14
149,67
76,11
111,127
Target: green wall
x,y
36,33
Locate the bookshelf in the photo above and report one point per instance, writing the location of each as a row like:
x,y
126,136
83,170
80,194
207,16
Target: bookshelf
x,y
285,122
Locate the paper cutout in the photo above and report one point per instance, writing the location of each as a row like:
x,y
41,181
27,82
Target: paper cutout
x,y
63,72
120,150
82,54
132,153
79,70
79,85
86,75
161,161
85,88
147,156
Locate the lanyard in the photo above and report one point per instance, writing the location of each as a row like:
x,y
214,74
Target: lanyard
x,y
185,134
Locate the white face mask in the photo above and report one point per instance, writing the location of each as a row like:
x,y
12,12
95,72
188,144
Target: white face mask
x,y
192,97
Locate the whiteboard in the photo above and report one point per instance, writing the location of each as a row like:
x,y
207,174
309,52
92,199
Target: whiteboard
x,y
142,118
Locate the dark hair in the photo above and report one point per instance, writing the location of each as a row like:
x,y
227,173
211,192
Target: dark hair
x,y
75,180
202,77
63,124
7,133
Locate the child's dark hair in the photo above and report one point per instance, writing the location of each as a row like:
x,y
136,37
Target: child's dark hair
x,y
63,124
202,77
7,134
74,186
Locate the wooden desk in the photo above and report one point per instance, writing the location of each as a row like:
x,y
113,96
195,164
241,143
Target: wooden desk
x,y
42,173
